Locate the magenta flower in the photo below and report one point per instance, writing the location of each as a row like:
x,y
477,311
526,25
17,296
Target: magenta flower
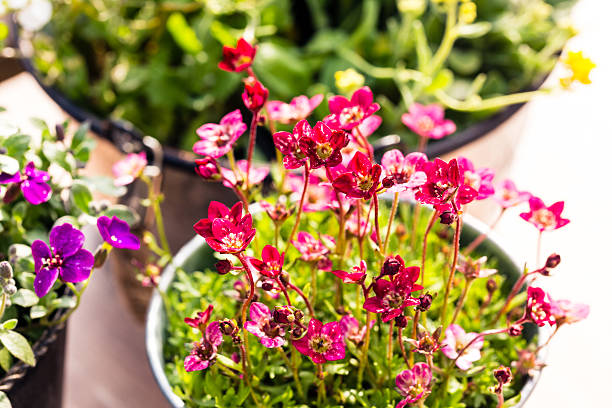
x,y
207,168
255,94
227,231
357,275
404,171
347,114
507,195
256,175
271,264
456,340
351,330
322,342
428,121
237,59
565,311
311,248
538,309
33,184
319,195
201,320
323,145
204,352
413,384
392,296
367,126
287,144
116,232
362,179
262,325
545,218
480,180
218,139
64,258
300,108
129,168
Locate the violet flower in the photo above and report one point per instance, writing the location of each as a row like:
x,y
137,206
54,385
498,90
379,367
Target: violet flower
x,y
204,352
322,342
456,339
262,326
218,139
116,233
64,258
413,384
33,184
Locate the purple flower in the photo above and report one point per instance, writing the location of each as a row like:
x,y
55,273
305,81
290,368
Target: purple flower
x,y
33,184
64,258
204,352
263,326
322,342
116,232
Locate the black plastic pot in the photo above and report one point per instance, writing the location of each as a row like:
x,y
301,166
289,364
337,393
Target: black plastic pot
x,y
41,385
196,254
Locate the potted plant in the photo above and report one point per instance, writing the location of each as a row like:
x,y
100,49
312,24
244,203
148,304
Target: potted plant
x,y
327,289
44,268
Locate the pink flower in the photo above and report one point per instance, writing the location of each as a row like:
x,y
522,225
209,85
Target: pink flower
x,y
568,312
263,326
507,195
351,330
456,340
347,114
357,276
287,144
538,309
300,108
225,230
256,175
239,58
255,94
527,363
414,384
405,171
367,126
392,296
545,218
322,342
218,139
319,196
311,248
277,212
201,320
271,264
428,121
204,352
323,145
362,179
473,268
129,169
480,180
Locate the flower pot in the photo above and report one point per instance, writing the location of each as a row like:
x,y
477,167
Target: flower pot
x,y
196,255
41,385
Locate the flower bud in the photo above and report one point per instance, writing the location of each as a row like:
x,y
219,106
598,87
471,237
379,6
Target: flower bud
x,y
297,332
255,94
401,321
299,315
100,257
387,182
60,135
6,270
10,289
391,266
283,315
228,327
207,168
424,302
467,12
348,81
515,330
553,261
284,278
267,285
223,266
491,286
503,375
448,217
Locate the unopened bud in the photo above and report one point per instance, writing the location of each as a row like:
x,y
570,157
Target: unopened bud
x,y
503,375
6,270
515,330
491,286
10,289
388,182
424,302
223,266
553,261
401,321
299,315
297,332
100,257
267,285
448,217
228,327
283,315
391,266
59,133
285,278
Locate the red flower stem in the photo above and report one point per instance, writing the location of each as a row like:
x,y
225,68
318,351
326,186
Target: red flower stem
x,y
400,340
245,308
298,215
364,351
391,217
390,345
376,224
549,338
364,143
242,198
284,289
451,274
474,244
430,224
303,296
539,249
515,290
415,223
422,143
415,334
252,137
464,292
500,399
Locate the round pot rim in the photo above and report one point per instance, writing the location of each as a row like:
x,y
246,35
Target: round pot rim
x,y
155,321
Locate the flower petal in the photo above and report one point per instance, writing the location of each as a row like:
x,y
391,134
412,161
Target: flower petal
x,y
66,240
77,267
44,280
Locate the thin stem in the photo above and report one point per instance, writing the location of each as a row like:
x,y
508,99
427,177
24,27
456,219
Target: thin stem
x,y
515,290
464,292
422,143
313,282
78,294
245,308
476,105
450,35
539,250
451,274
500,399
154,199
390,345
321,396
400,340
391,217
549,338
284,289
298,215
303,296
474,244
478,336
364,351
424,252
376,223
252,137
296,377
3,306
415,223
415,334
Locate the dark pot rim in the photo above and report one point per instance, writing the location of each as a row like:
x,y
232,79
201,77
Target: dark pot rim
x,y
156,321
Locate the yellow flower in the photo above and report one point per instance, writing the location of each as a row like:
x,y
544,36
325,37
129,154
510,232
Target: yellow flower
x,y
580,66
467,12
349,80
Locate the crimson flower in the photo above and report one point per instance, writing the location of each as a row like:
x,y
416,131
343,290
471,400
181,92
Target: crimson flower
x,y
507,195
255,94
362,179
204,352
545,218
262,325
271,264
207,168
392,296
413,384
323,145
347,114
300,108
538,309
322,342
33,184
225,230
287,144
201,320
357,276
218,139
405,171
480,180
428,121
237,59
